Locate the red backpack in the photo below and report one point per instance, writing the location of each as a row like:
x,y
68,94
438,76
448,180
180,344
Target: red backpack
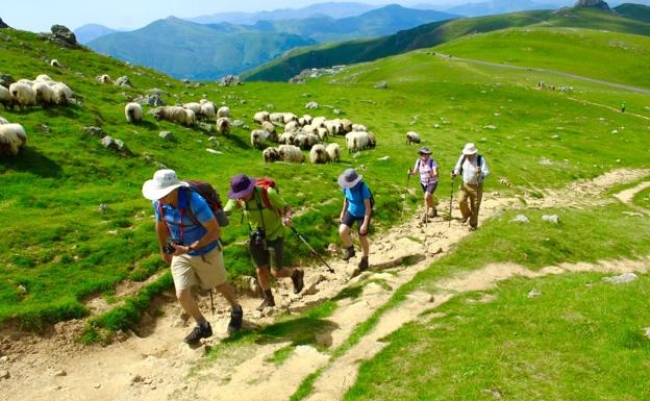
x,y
265,183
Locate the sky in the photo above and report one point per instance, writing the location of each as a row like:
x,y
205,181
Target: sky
x,y
40,15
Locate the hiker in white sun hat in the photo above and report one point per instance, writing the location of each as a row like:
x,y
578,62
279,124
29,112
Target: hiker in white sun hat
x,y
473,169
189,237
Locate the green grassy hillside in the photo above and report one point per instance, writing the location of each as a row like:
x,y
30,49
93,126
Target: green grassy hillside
x,y
292,63
59,249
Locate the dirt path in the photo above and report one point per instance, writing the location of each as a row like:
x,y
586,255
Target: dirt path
x,y
158,366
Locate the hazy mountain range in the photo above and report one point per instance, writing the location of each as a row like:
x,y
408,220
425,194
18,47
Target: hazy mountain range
x,y
212,46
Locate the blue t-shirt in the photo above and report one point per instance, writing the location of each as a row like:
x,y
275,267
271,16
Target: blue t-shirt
x,y
189,231
356,196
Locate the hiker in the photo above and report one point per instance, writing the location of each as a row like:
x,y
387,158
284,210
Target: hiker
x,y
623,107
357,208
473,169
189,237
267,214
428,169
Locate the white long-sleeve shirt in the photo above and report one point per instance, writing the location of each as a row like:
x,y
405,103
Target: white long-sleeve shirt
x,y
469,168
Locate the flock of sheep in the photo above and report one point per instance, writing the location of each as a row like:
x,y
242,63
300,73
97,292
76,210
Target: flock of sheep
x,y
24,93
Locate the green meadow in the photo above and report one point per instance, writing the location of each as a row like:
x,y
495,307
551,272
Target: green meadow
x,y
581,339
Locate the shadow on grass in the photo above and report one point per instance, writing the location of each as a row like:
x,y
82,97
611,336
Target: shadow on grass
x,y
300,331
30,160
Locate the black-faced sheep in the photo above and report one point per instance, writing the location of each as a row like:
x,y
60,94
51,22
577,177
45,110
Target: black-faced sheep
x,y
5,98
62,93
306,141
12,139
270,155
55,63
223,125
287,138
23,94
259,137
412,137
318,154
261,116
133,113
104,79
291,154
334,152
44,93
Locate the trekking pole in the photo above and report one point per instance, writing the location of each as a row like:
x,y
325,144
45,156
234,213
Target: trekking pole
x,y
451,200
312,249
211,302
408,177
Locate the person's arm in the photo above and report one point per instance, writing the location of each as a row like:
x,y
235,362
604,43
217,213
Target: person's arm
x,y
366,217
344,208
213,233
456,169
287,214
162,233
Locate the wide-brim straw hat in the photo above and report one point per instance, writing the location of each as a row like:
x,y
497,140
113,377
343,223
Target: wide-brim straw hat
x,y
470,149
163,182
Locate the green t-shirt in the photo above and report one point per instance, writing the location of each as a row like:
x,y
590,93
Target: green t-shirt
x,y
255,211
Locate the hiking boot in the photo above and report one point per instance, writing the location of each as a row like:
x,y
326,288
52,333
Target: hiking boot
x,y
433,213
348,253
268,302
297,278
200,331
363,265
425,218
472,228
236,318
464,220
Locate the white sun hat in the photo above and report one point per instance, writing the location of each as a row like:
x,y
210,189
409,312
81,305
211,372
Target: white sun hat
x,y
163,182
470,149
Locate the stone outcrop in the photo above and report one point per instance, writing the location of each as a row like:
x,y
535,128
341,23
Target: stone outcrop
x,y
600,4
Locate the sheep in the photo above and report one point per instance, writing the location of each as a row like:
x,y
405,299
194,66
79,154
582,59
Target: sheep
x,y
5,98
224,111
412,137
207,110
261,116
276,118
359,127
133,113
270,155
306,141
62,93
43,78
55,63
194,106
12,139
287,138
259,137
357,140
288,117
44,93
318,121
346,126
334,152
270,128
305,119
223,125
104,79
291,154
334,127
23,94
322,134
318,155
291,126
175,114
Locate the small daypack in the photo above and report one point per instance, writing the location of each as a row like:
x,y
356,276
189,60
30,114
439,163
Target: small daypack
x,y
430,163
265,183
211,196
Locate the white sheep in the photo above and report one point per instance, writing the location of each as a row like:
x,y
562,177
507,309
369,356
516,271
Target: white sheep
x,y
55,63
318,154
44,93
357,140
43,78
334,152
291,126
291,154
208,110
133,112
175,114
276,118
259,137
270,128
318,121
261,116
194,106
270,155
12,139
359,127
346,126
104,79
23,94
224,111
62,93
306,141
412,137
223,125
287,138
5,98
305,119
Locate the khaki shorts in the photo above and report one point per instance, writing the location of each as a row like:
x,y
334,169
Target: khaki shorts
x,y
206,271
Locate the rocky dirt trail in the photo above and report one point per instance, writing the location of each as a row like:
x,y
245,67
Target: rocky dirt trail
x,y
157,365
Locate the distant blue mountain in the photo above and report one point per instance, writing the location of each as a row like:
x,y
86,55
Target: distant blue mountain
x,y
89,32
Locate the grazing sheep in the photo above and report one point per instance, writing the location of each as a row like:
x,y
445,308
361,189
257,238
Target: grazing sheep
x,y
44,93
55,63
306,141
223,125
305,119
104,79
62,93
270,155
346,126
318,154
412,137
357,140
133,113
359,127
208,110
5,98
259,137
288,117
318,121
224,111
12,139
23,94
261,116
44,78
322,133
287,138
276,118
334,152
334,127
175,114
270,128
291,154
291,126
194,106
